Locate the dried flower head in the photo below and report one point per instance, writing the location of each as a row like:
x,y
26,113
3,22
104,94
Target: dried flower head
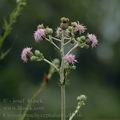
x,y
93,39
64,20
26,54
70,58
64,23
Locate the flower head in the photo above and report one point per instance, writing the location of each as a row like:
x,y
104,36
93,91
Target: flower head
x,y
58,32
70,58
39,34
64,23
78,27
93,39
26,54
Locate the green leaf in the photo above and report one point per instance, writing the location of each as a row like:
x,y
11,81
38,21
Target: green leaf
x,y
3,54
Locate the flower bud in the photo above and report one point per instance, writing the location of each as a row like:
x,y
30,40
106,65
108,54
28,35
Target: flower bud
x,y
37,52
70,28
82,98
49,31
73,67
82,42
56,61
74,24
82,38
78,39
33,58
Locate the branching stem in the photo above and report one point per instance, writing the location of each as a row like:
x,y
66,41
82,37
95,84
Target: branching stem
x,y
50,63
72,49
22,117
56,39
67,42
52,43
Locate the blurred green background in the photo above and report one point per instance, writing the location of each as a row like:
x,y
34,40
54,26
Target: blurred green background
x,y
98,71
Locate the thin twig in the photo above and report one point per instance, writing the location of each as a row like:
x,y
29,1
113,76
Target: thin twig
x,y
72,49
67,42
52,43
51,64
34,96
75,112
43,85
67,38
56,39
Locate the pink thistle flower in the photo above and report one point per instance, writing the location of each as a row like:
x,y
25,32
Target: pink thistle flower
x,y
39,34
26,54
80,28
93,39
70,58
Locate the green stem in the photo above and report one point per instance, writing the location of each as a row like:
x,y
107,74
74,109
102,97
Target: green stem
x,y
52,43
63,111
75,112
43,85
56,39
63,104
50,63
22,117
67,42
8,24
81,102
72,49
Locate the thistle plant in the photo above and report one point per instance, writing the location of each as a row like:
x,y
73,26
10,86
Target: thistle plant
x,y
8,26
70,34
